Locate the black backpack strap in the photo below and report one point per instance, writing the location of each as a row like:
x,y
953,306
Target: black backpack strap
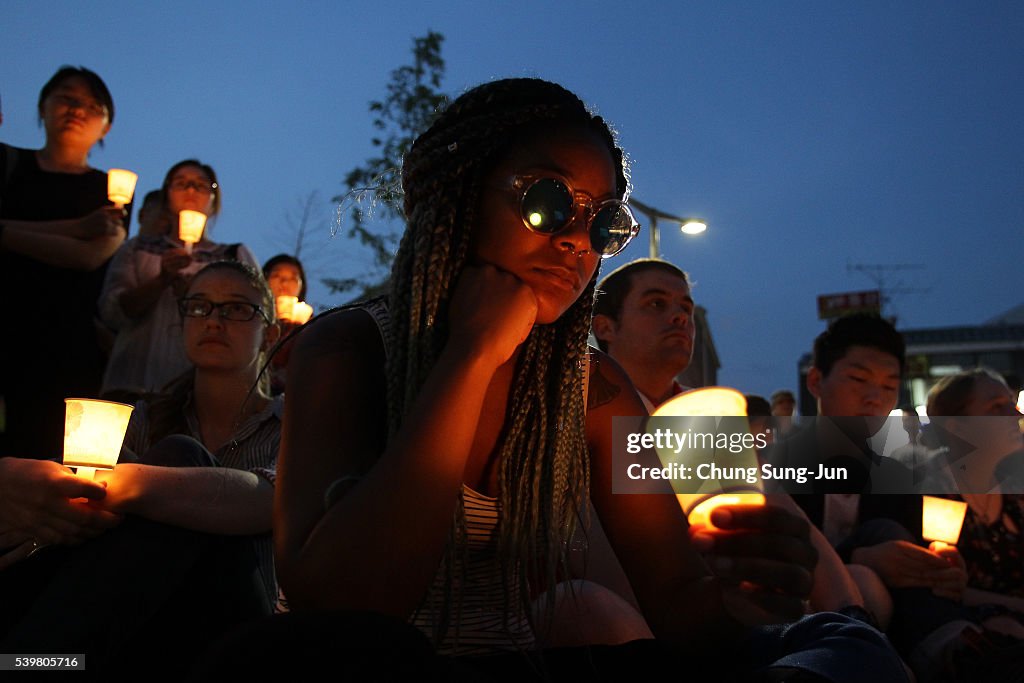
x,y
232,251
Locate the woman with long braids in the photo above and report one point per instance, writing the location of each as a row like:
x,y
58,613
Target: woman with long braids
x,y
438,454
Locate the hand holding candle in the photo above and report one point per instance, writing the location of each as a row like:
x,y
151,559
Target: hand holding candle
x,y
93,434
120,186
190,227
715,402
284,307
301,313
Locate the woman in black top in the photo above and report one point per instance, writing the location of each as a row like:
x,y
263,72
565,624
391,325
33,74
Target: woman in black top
x,y
57,233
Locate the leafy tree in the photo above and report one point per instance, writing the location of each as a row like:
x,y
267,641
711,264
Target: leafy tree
x,y
412,103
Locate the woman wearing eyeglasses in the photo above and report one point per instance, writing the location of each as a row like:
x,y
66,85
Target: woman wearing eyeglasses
x,y
193,554
438,452
57,233
146,277
227,320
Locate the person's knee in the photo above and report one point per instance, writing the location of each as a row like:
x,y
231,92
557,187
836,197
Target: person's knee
x,y
587,613
877,599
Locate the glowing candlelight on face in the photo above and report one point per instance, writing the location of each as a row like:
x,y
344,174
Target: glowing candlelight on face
x,y
715,402
120,186
285,307
942,520
93,433
301,313
190,227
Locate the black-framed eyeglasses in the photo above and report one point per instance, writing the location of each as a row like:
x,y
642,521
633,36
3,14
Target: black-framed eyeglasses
x,y
548,205
238,311
201,186
91,108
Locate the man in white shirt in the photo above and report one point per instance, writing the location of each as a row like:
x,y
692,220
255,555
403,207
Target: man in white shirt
x,y
643,318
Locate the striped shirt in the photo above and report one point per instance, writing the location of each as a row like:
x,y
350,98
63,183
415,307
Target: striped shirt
x,y
486,615
253,448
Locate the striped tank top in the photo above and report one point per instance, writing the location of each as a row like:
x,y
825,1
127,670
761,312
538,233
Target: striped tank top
x,y
480,621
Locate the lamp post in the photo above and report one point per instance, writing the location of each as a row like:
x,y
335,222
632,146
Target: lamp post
x,y
690,226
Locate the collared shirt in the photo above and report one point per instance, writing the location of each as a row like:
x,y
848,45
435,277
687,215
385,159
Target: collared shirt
x,y
253,447
677,389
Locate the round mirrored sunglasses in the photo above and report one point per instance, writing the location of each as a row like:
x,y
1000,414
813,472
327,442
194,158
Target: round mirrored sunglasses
x,y
548,206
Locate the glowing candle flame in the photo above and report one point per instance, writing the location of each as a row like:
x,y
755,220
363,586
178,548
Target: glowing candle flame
x,y
121,186
943,519
190,227
93,434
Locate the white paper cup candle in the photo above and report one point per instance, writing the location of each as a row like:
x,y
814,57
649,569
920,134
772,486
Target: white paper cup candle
x,y
93,434
190,227
301,313
120,186
284,306
942,520
715,402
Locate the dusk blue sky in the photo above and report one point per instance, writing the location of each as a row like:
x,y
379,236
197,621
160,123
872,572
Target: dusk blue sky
x,y
810,135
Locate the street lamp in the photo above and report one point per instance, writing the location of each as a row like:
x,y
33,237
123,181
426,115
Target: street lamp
x,y
690,226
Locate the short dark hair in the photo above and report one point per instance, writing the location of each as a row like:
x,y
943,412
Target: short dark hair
x,y
206,169
96,86
286,258
613,289
757,406
151,196
857,329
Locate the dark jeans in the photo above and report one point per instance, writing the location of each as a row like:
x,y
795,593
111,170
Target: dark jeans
x,y
364,646
143,594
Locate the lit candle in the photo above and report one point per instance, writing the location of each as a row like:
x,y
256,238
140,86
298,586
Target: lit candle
x,y
93,434
190,227
716,402
301,313
700,514
942,520
120,186
285,307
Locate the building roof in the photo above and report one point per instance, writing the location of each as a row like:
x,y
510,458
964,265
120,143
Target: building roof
x,y
1014,316
964,338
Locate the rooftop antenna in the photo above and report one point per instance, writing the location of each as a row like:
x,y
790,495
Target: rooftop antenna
x,y
882,274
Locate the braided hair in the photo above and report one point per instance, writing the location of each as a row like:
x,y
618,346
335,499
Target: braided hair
x,y
544,464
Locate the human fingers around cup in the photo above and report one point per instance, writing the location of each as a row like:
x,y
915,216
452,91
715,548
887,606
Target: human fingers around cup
x,y
114,219
768,518
765,531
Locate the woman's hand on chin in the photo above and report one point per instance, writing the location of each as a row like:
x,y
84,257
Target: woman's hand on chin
x,y
491,313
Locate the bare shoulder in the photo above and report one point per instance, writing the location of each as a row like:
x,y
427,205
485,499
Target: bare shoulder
x,y
610,386
336,387
334,420
340,333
